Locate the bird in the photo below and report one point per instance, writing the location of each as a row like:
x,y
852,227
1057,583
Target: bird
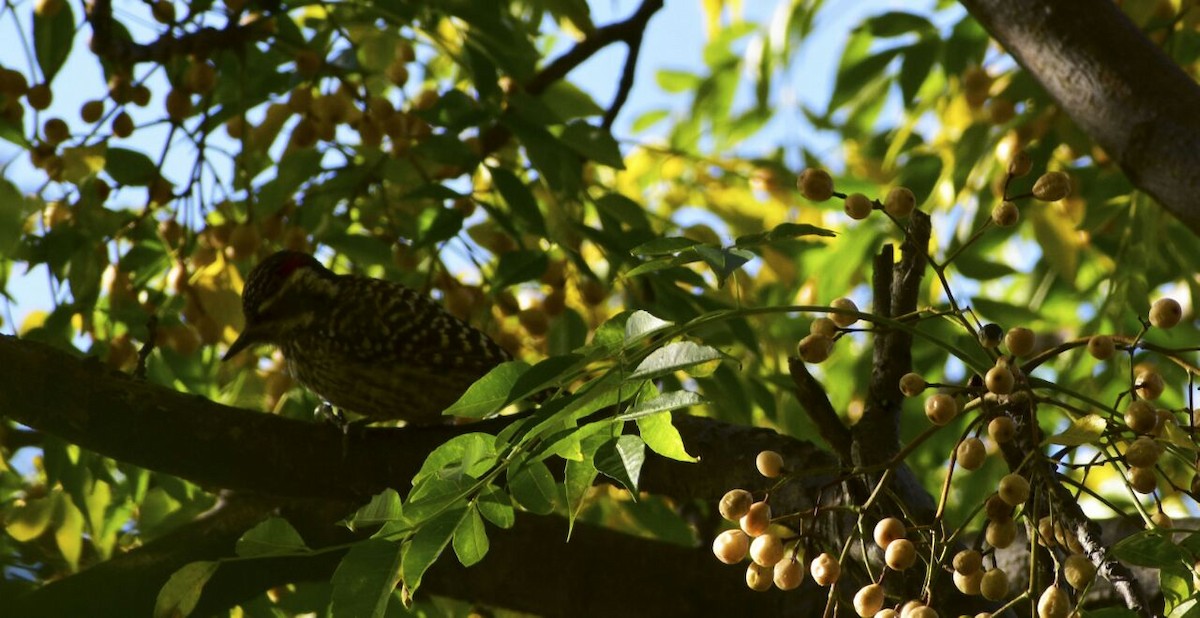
x,y
368,346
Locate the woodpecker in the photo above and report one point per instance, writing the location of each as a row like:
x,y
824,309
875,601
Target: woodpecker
x,y
364,345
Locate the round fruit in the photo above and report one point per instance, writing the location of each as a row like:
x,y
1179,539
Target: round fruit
x,y
1142,453
1054,603
823,326
1101,347
1005,214
1001,533
735,503
759,578
1079,571
731,546
900,554
789,574
999,380
888,530
886,613
122,125
1140,417
900,202
1019,341
994,585
815,184
39,97
814,348
770,464
990,335
1002,429
1052,186
56,131
766,550
535,321
92,111
163,11
1020,164
1142,480
1149,385
997,509
922,611
971,453
756,520
843,320
858,206
968,584
868,600
1045,531
941,409
1165,313
911,384
967,561
825,569
1161,520
1014,489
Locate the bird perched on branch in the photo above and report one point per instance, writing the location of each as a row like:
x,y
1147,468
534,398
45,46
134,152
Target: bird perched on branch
x,y
369,346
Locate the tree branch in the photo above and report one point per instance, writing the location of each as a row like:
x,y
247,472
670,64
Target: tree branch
x,y
1121,89
816,404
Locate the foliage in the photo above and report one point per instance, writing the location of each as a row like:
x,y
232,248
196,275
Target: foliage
x,y
432,143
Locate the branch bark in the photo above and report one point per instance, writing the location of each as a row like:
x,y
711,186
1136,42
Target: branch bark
x,y
1119,87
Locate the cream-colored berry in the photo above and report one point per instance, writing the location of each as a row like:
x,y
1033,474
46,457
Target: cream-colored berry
x,y
815,184
1161,520
858,206
769,464
1165,313
735,503
731,546
1101,347
1014,489
756,520
789,574
1078,571
999,380
967,561
888,530
766,550
1054,603
1149,385
1142,480
1052,186
968,584
1140,417
994,585
868,600
1143,453
900,554
1019,341
824,327
844,320
1002,429
814,348
759,578
900,202
1005,214
941,409
911,384
1001,533
971,453
825,569
1020,164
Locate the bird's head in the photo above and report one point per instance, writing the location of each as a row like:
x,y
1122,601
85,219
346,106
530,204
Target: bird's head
x,y
281,294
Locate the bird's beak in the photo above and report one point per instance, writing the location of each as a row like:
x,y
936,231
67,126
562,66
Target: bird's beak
x,y
251,335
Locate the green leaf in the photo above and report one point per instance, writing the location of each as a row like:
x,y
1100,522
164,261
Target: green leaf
x,y
1003,313
898,23
52,38
853,79
469,454
383,508
518,266
916,67
11,217
436,225
569,102
669,245
641,324
1149,548
427,544
649,119
130,167
674,357
677,81
271,537
496,507
972,265
724,261
621,459
490,393
577,483
470,539
595,143
533,487
547,373
365,579
665,402
661,435
178,597
520,199
1056,234
1083,430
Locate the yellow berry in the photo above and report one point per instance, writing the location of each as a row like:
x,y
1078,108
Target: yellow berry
x,y
823,326
1140,417
788,574
1149,385
766,550
814,348
1165,313
1001,533
756,520
900,202
1020,164
967,561
1014,489
971,453
1019,341
1142,480
1078,571
941,409
911,384
735,504
815,184
769,464
888,530
731,546
999,380
843,320
858,206
1054,603
1142,453
1052,186
1005,214
759,578
994,585
1101,347
825,569
1002,429
868,600
900,554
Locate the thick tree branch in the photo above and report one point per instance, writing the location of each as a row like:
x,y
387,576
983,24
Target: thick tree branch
x,y
1120,88
816,404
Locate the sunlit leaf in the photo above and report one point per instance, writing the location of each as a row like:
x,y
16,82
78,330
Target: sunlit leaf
x,y
272,537
1083,430
180,594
